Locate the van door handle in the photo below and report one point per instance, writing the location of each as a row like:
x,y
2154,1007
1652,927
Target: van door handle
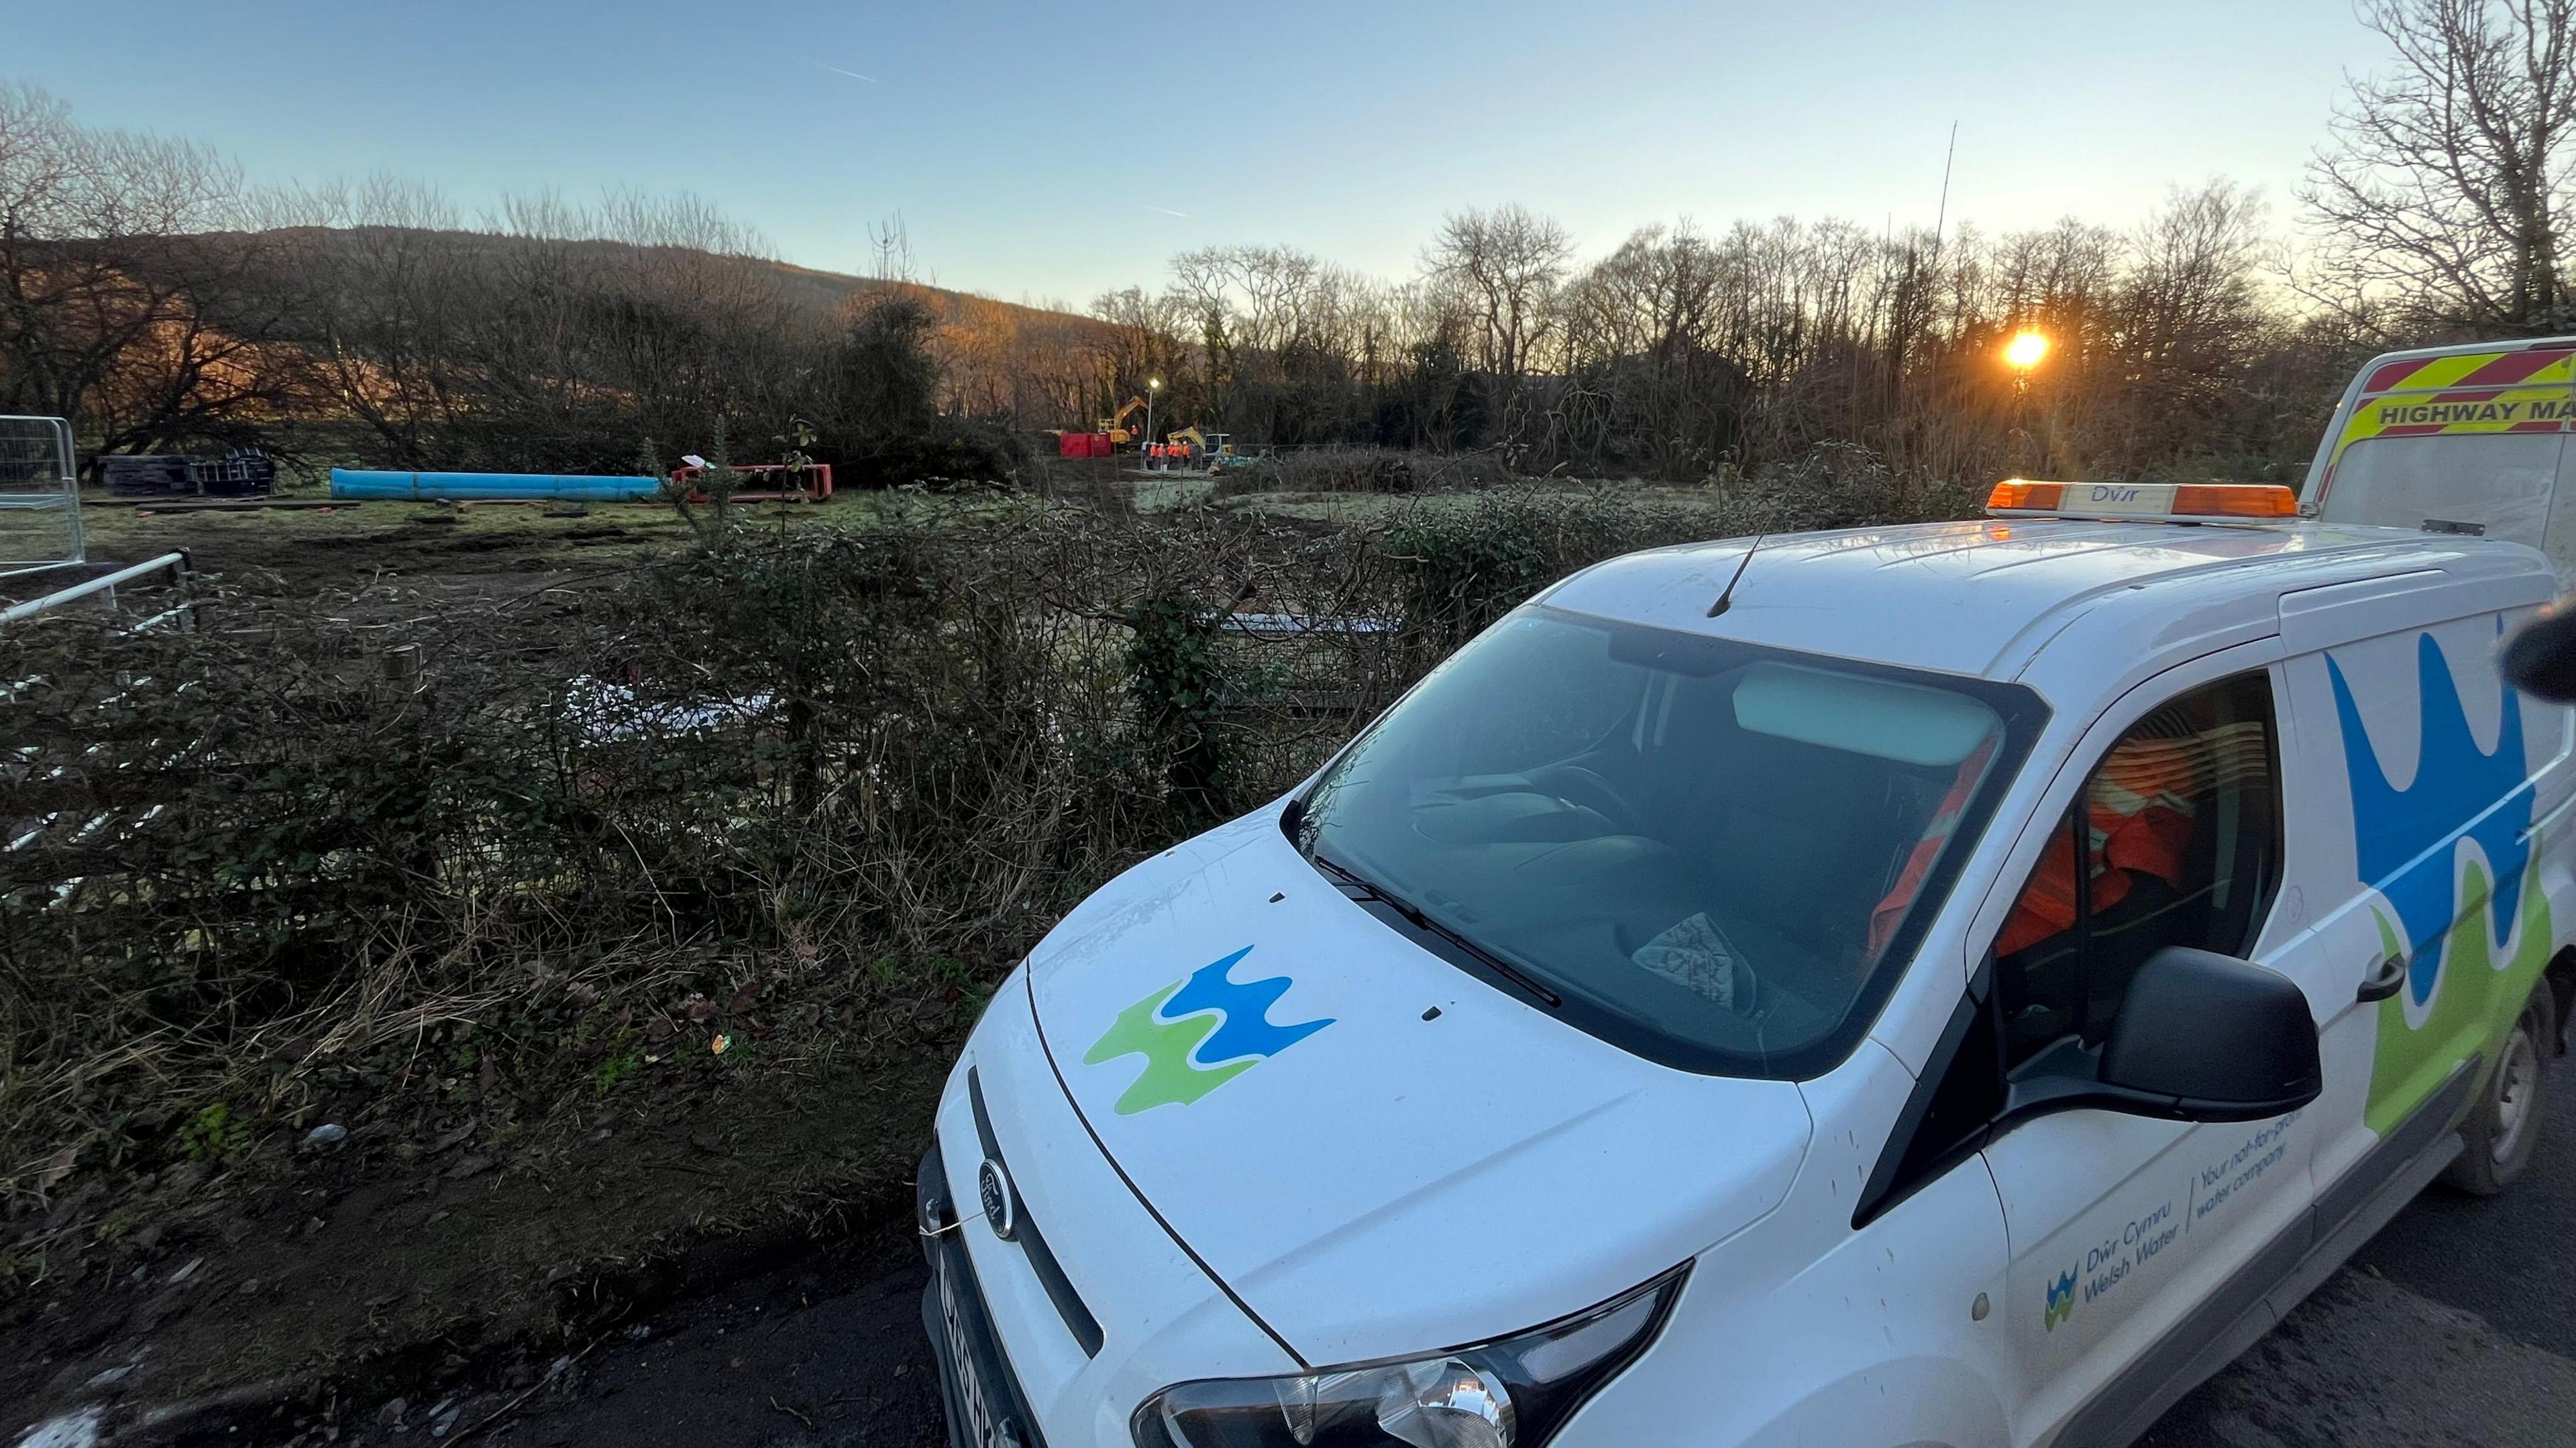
x,y
2385,980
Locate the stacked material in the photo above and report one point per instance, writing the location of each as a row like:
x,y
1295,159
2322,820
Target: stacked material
x,y
242,473
145,475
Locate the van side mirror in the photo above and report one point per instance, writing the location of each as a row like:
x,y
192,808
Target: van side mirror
x,y
2200,1037
2219,1038
2541,659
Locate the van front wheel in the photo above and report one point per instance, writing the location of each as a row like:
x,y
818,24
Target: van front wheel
x,y
2503,1131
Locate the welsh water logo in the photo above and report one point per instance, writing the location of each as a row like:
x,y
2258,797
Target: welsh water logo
x,y
2061,1301
1197,1034
2449,855
2395,831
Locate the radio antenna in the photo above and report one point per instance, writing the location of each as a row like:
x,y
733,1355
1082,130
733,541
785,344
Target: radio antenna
x,y
1726,596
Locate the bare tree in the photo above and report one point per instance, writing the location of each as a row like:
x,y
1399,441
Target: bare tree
x,y
144,291
1138,338
1646,386
386,294
126,296
890,250
1248,305
2190,321
1507,264
2448,177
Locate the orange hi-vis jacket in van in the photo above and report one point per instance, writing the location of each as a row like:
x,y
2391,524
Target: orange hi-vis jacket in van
x,y
2140,807
1936,837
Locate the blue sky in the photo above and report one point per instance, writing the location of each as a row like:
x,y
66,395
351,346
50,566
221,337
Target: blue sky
x,y
1024,144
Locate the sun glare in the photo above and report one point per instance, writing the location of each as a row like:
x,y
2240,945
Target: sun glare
x,y
2026,349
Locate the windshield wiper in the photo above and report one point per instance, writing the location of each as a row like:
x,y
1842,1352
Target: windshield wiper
x,y
1416,917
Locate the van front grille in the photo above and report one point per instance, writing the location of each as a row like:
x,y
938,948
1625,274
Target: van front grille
x,y
1032,1242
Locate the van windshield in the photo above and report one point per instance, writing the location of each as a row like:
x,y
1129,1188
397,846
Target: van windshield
x,y
2499,483
1715,855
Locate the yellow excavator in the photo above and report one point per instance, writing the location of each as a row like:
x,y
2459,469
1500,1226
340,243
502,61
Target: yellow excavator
x,y
1213,451
1205,444
1116,426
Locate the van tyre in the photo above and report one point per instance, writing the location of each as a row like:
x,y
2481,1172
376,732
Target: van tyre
x,y
2503,1130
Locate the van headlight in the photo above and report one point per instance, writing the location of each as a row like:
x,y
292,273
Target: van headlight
x,y
1510,1394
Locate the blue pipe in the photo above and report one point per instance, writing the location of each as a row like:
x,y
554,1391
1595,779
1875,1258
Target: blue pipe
x,y
466,487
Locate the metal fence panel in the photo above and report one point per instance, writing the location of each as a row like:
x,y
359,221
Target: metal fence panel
x,y
40,524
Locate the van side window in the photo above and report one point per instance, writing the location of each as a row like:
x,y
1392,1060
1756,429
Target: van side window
x,y
2178,831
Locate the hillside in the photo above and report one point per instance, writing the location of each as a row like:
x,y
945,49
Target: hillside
x,y
811,291
413,347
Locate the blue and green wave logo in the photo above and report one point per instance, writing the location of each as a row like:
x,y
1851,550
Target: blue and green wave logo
x,y
1197,1034
2061,1301
2449,856
2459,791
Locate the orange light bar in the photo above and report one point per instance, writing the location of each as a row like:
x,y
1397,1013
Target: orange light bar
x,y
2020,496
2164,502
2234,500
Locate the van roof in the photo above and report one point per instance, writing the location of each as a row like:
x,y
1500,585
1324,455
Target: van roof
x,y
1979,598
2459,349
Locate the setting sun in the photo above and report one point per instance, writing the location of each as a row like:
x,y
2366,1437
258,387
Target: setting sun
x,y
2026,349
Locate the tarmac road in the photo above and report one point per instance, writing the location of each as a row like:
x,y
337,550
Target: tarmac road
x,y
2455,1326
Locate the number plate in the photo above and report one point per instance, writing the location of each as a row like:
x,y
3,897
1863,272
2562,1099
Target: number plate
x,y
986,1422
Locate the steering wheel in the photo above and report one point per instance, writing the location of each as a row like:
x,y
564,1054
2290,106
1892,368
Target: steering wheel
x,y
1575,785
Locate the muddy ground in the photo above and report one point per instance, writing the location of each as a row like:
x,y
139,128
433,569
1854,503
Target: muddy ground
x,y
390,1268
481,549
2454,1328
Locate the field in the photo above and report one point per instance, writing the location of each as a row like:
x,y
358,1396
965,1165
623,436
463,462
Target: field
x,y
480,548
486,549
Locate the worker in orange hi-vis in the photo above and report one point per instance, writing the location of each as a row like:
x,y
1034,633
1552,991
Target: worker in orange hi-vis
x,y
2139,810
1891,909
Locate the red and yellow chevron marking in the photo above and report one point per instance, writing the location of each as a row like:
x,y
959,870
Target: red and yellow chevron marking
x,y
2474,392
2526,366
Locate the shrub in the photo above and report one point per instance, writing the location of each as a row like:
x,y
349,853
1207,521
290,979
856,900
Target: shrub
x,y
386,848
950,454
1366,470
1841,485
1178,680
1462,567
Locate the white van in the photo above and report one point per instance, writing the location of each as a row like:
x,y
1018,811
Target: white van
x,y
2468,440
1953,984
